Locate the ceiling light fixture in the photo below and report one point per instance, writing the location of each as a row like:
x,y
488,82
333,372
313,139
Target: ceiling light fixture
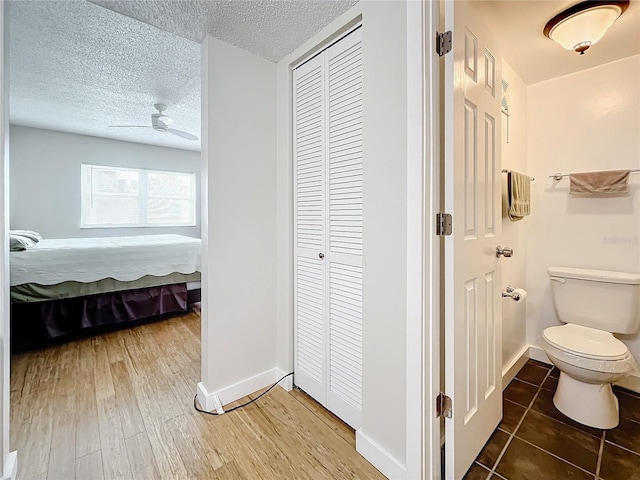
x,y
579,27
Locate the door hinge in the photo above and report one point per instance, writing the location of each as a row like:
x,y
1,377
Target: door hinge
x,y
443,42
444,223
443,406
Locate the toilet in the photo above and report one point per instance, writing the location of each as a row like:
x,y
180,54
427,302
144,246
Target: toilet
x,y
592,304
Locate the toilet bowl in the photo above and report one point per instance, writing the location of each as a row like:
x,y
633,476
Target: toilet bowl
x,y
593,304
589,361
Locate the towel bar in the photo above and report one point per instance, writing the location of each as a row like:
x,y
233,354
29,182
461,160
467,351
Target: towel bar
x,y
560,176
504,170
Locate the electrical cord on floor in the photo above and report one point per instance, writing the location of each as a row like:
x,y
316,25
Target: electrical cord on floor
x,y
244,404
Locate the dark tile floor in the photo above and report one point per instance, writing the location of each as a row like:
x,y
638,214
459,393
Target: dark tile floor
x,y
535,441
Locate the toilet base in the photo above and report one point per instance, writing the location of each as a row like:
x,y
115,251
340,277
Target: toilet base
x,y
593,405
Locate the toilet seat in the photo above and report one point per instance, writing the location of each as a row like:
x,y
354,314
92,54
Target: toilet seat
x,y
586,342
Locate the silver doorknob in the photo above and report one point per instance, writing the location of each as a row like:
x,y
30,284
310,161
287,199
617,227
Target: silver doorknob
x,y
321,255
504,252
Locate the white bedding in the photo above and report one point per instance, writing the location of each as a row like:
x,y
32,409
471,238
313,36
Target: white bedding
x,y
91,259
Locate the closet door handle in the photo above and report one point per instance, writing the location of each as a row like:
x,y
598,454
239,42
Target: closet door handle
x,y
321,256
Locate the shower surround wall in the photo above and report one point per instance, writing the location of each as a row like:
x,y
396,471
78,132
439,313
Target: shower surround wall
x,y
582,122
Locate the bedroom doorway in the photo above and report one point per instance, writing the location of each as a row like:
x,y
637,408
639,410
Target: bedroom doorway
x,y
120,352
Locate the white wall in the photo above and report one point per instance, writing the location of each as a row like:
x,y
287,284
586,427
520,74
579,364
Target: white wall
x,y
382,438
514,157
385,225
581,122
45,179
239,311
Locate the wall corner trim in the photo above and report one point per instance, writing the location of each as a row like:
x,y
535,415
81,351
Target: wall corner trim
x,y
212,400
11,466
379,458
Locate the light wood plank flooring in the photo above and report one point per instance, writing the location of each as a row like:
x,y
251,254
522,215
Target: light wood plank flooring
x,y
120,406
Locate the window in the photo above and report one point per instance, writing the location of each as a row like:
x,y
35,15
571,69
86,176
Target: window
x,y
129,197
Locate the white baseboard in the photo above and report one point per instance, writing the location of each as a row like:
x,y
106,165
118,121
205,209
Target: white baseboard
x,y
513,367
537,353
11,466
379,457
287,383
208,401
216,400
630,382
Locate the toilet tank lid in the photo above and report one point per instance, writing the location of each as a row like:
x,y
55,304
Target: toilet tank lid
x,y
606,276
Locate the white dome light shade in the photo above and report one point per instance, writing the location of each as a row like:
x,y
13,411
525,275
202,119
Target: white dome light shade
x,y
582,25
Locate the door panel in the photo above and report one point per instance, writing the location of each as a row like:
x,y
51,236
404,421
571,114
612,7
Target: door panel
x,y
473,323
309,198
344,194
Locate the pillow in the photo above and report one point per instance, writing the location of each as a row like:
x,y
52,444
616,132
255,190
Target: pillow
x,y
17,243
35,236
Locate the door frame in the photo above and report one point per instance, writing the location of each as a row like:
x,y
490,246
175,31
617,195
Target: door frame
x,y
423,246
8,465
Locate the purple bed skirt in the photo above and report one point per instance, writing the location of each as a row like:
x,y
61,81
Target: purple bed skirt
x,y
36,324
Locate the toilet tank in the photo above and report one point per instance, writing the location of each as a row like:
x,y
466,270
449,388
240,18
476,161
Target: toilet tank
x,y
601,299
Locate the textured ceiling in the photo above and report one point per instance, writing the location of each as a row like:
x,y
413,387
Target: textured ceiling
x,y
518,25
78,67
269,28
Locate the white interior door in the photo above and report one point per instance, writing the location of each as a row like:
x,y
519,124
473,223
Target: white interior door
x,y
473,318
328,227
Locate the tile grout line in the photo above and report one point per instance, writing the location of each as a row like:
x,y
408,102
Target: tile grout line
x,y
628,450
554,419
600,453
564,460
542,449
564,423
513,434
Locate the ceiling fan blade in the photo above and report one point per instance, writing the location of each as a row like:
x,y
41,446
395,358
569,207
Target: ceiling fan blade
x,y
129,126
182,134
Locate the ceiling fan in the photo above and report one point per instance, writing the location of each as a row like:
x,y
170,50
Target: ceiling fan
x,y
160,123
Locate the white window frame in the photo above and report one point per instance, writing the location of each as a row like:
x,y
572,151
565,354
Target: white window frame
x,y
142,198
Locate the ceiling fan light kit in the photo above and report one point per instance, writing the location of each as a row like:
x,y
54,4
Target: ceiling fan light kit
x,y
581,26
160,123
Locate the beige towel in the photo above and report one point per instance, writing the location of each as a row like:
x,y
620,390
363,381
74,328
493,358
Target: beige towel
x,y
519,192
612,183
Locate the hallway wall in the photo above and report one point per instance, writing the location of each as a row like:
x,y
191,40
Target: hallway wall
x,y
238,229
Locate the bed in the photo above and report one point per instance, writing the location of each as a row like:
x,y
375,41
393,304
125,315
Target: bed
x,y
60,287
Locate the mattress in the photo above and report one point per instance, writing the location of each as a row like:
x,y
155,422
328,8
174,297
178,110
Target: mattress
x,y
54,261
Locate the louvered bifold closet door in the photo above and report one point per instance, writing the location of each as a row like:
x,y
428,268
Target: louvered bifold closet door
x,y
309,126
327,124
344,233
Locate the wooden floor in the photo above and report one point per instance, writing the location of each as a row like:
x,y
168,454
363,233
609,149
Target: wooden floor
x,y
120,405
